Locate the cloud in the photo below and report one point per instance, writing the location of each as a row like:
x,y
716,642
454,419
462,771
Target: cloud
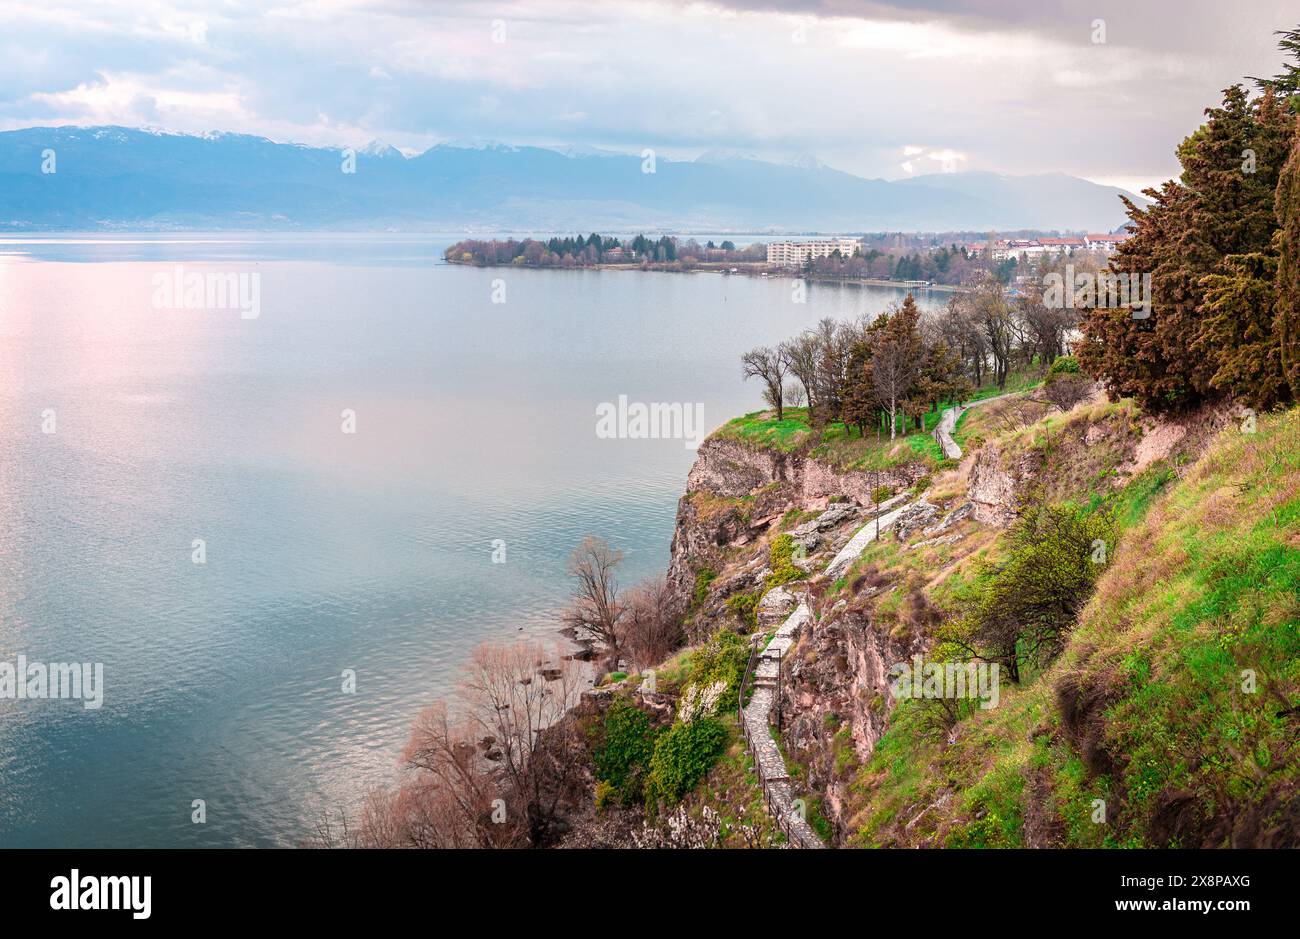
x,y
1009,86
122,98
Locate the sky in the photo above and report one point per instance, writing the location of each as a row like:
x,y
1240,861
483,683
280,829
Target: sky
x,y
1095,88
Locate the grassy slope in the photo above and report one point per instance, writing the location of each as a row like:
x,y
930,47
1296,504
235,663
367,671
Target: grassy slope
x,y
1145,710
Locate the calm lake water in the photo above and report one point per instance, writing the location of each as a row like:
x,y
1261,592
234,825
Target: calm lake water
x,y
325,551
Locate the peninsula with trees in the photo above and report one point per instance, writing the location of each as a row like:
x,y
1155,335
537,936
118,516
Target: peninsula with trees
x,y
943,260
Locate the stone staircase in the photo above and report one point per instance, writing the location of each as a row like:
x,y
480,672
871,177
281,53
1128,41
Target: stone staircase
x,y
755,722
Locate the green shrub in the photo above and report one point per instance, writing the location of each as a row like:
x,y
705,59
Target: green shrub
x,y
780,556
745,606
703,579
1021,609
1064,363
818,821
623,756
922,484
605,793
882,494
722,658
683,755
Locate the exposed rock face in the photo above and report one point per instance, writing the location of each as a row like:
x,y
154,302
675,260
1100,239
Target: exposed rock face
x,y
836,685
728,468
1081,449
776,482
994,486
959,514
809,534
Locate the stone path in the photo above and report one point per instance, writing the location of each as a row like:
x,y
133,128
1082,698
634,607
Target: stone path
x,y
943,433
858,543
756,719
948,426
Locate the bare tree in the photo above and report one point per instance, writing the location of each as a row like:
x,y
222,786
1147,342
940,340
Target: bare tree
x,y
1066,389
448,801
957,326
652,625
498,768
801,354
769,366
995,320
1017,412
595,612
519,697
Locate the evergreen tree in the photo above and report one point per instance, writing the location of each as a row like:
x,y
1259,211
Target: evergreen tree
x,y
1222,207
1287,321
859,405
1238,334
1286,82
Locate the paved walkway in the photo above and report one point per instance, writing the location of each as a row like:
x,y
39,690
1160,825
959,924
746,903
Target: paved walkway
x,y
943,433
756,719
858,543
948,425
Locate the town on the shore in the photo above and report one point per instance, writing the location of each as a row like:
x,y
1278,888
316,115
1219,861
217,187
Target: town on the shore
x,y
948,259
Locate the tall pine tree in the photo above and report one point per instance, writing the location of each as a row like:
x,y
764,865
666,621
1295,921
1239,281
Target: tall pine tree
x,y
1222,207
1287,320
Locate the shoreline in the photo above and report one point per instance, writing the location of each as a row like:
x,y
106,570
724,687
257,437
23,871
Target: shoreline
x,y
738,269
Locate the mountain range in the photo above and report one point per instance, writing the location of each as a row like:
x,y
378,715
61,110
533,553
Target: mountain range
x,y
118,178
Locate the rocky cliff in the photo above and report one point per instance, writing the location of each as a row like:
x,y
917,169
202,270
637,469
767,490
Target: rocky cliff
x,y
735,492
882,605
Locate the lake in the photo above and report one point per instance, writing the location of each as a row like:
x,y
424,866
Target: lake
x,y
137,437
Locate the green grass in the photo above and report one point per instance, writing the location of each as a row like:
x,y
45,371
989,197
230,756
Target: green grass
x,y
845,447
1203,591
759,430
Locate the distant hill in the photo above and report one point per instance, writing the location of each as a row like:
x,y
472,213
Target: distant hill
x,y
124,178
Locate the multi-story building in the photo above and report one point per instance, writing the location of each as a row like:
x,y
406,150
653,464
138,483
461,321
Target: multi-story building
x,y
793,253
1062,245
1018,247
1107,243
1014,248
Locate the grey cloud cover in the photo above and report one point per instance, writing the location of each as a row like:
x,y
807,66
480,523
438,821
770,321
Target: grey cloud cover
x,y
875,88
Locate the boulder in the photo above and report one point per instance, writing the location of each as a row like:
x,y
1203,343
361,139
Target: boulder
x,y
915,517
962,512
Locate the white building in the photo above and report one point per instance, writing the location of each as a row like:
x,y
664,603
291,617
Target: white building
x,y
1062,245
1107,243
1014,248
792,253
1032,247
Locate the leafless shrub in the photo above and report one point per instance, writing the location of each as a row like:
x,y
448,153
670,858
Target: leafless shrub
x,y
1067,389
498,771
651,626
